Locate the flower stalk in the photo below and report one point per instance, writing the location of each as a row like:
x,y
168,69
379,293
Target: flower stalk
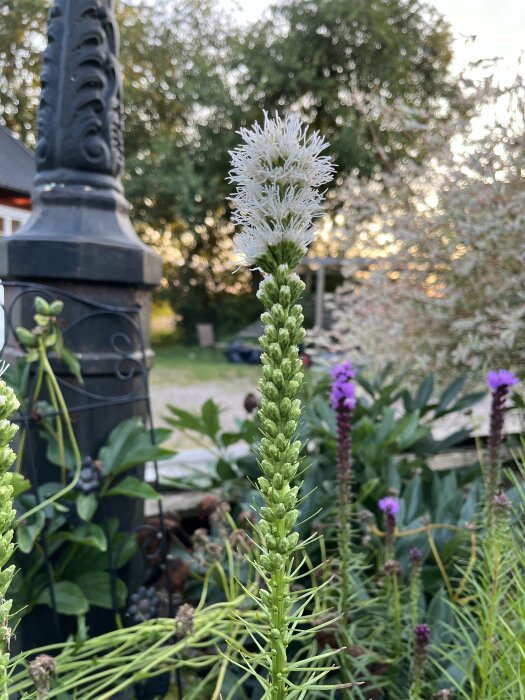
x,y
421,642
343,404
390,507
415,556
277,171
500,383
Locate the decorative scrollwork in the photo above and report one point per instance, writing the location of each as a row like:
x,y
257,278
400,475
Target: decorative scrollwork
x,y
86,100
121,351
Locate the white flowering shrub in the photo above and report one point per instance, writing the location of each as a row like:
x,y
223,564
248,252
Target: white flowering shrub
x,y
439,249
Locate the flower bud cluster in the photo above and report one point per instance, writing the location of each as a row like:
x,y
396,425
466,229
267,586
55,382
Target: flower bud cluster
x,y
8,405
279,413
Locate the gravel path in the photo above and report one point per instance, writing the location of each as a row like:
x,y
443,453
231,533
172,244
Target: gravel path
x,y
228,395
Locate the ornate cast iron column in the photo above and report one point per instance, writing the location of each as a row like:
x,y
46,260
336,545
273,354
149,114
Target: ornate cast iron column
x,y
80,240
80,228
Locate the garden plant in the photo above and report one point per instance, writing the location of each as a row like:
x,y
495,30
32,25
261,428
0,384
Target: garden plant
x,y
335,561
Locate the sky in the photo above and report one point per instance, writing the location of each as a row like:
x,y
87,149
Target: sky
x,y
498,26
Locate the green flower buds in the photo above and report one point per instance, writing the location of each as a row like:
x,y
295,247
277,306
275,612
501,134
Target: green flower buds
x,y
8,405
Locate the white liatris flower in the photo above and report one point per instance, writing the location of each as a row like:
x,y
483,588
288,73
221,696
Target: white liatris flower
x,y
278,170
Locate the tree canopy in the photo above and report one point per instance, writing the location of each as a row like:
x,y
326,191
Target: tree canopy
x,y
193,76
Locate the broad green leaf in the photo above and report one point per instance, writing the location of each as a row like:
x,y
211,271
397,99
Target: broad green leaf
x,y
248,466
225,471
184,420
468,401
367,489
453,439
20,484
408,401
53,453
405,430
97,587
89,535
439,617
86,506
70,600
27,534
229,439
124,548
131,486
130,444
394,478
385,427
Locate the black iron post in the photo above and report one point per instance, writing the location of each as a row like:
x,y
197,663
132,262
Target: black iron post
x,y
79,238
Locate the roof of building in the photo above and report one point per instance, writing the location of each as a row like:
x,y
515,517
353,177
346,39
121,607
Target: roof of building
x,y
17,164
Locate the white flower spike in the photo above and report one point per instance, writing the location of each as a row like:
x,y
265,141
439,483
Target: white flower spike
x,y
277,170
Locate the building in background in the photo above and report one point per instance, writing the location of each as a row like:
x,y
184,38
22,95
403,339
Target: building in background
x,y
17,170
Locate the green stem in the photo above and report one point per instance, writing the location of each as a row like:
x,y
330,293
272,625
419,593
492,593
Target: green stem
x,y
59,431
415,579
30,405
415,688
493,573
62,406
397,614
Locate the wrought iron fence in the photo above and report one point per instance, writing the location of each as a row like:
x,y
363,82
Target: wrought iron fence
x,y
115,358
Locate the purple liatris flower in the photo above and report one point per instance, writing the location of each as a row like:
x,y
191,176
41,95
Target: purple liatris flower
x,y
499,381
343,402
415,555
421,640
389,505
343,388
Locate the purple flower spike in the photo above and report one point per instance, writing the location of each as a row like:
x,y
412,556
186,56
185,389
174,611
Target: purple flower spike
x,y
501,379
343,388
422,637
415,555
389,505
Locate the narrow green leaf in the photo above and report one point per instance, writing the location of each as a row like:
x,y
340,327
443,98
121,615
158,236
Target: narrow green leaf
x,y
131,486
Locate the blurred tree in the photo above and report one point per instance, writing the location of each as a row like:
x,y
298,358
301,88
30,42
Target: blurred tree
x,y
316,57
443,240
193,77
22,32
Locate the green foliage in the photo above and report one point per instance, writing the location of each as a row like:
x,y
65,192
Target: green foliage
x,y
485,653
62,528
79,548
451,589
224,471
